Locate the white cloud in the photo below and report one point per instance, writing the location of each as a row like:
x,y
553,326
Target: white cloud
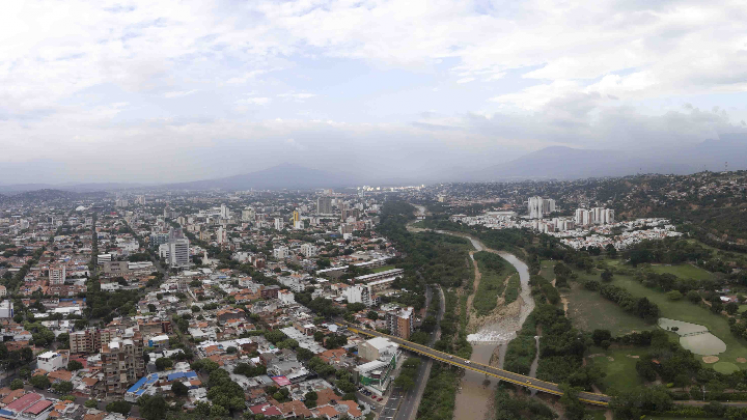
x,y
179,94
80,78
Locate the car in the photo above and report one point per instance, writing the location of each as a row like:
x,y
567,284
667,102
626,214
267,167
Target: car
x,y
451,357
466,362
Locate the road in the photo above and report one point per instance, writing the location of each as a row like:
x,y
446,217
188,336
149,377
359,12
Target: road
x,y
515,378
403,405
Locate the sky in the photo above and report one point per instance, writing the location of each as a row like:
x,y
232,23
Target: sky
x,y
167,91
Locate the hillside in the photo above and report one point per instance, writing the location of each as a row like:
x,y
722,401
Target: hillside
x,y
285,176
560,162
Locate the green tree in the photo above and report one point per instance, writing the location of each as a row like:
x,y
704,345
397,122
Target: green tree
x,y
121,407
39,382
16,384
63,387
163,363
74,365
152,407
91,404
607,275
179,389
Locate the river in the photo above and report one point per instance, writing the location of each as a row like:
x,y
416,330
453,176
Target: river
x,y
475,397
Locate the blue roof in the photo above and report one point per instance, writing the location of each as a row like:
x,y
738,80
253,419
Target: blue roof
x,y
138,384
179,375
6,413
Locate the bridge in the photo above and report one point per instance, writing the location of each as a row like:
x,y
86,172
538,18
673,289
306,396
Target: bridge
x,y
504,375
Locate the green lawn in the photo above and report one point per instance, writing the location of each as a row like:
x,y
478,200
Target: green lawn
x,y
683,271
588,311
688,312
547,270
742,308
383,268
621,373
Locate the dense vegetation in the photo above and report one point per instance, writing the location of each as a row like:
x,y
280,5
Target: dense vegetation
x,y
493,269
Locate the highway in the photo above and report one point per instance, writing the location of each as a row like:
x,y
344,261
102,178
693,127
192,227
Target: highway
x,y
504,375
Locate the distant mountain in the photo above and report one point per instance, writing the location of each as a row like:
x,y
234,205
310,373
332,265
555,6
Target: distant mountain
x,y
559,162
285,176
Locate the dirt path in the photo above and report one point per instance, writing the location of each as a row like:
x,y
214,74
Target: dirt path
x,y
563,299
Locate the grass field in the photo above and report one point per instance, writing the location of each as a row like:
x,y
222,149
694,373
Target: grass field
x,y
588,311
383,268
547,270
683,271
686,311
619,367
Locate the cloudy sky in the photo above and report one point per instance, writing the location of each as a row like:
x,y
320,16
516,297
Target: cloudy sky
x,y
154,91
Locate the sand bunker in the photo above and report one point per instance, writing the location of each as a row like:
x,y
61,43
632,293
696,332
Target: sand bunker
x,y
710,359
741,360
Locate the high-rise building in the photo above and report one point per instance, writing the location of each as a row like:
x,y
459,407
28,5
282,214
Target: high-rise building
x,y
540,207
157,239
224,212
247,215
296,217
221,235
122,362
609,216
56,274
179,253
400,322
279,223
324,205
90,340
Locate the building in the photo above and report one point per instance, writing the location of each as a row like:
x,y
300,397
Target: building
x,y
324,205
3,291
248,214
308,250
400,322
377,348
281,252
540,207
90,340
31,406
122,363
50,361
6,309
582,217
56,274
178,255
158,239
279,224
224,212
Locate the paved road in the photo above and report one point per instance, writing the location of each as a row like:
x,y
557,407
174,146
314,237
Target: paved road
x,y
515,378
403,405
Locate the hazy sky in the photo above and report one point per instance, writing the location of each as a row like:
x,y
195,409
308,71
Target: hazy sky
x,y
154,91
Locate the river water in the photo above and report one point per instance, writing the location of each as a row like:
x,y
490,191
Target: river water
x,y
475,396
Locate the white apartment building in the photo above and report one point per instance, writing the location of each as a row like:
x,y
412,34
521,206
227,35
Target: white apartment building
x,y
178,253
281,252
308,250
56,274
279,223
50,361
540,207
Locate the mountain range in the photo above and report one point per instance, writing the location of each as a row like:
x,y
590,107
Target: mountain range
x,y
556,162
